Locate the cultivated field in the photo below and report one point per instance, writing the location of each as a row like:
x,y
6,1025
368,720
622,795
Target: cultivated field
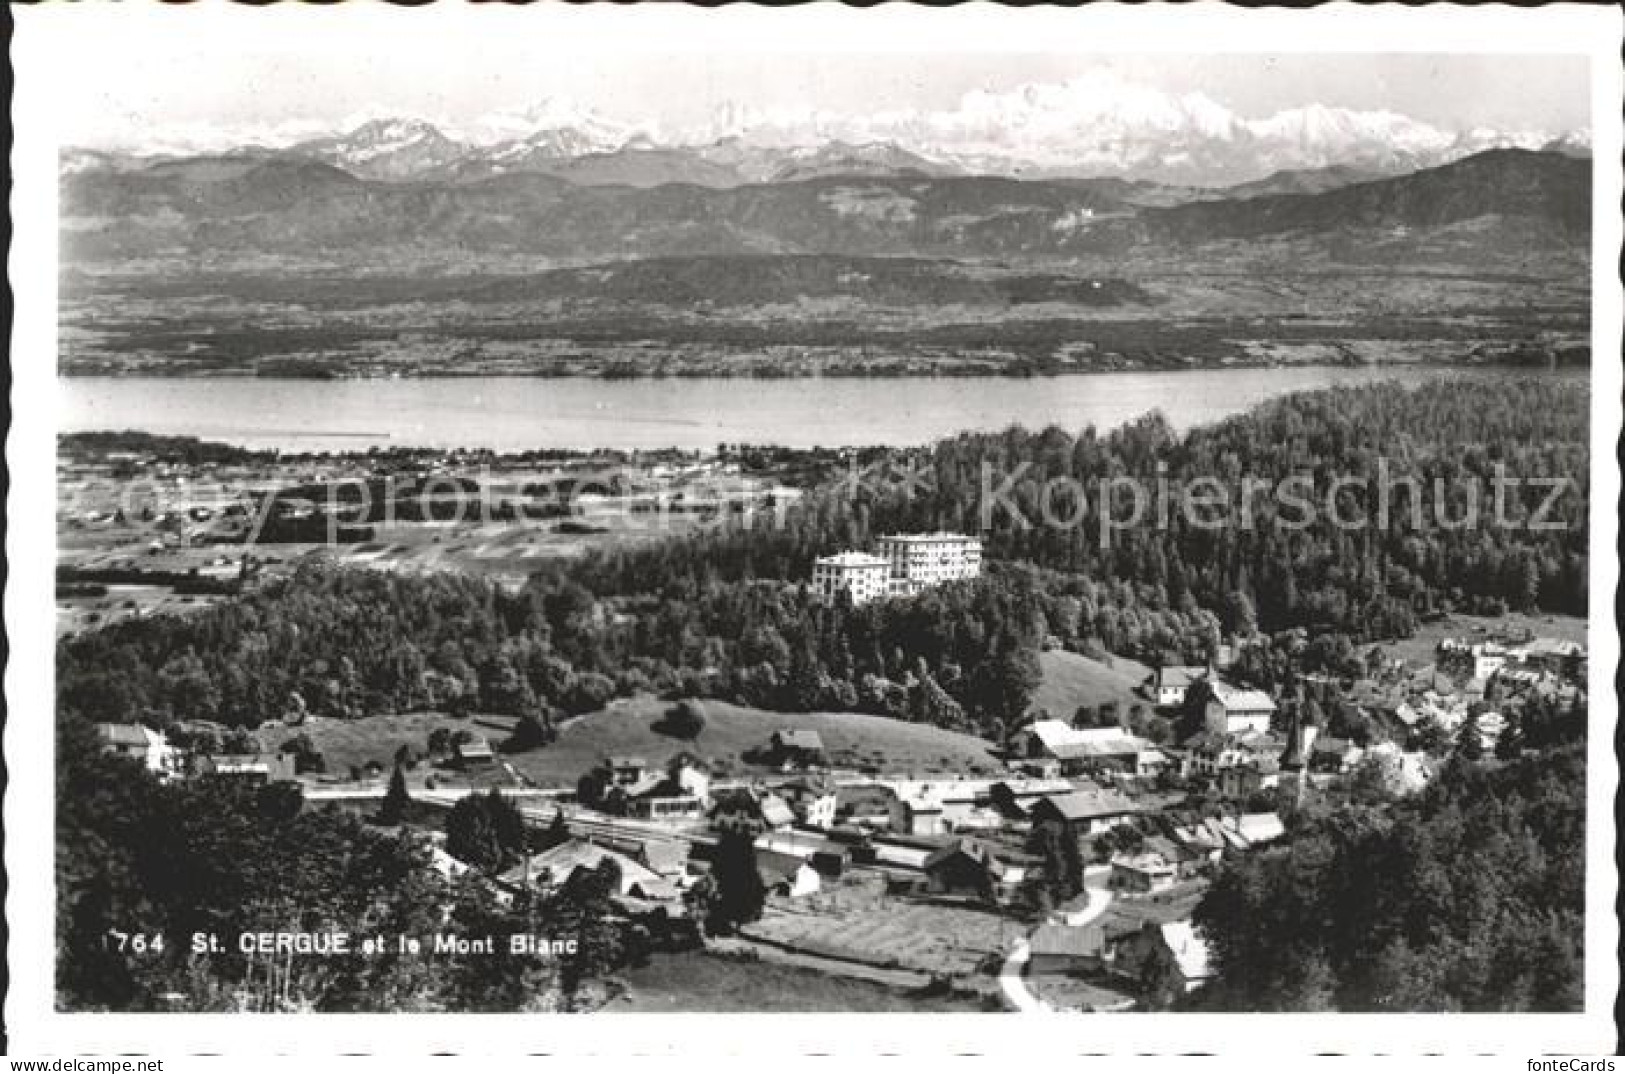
x,y
886,932
708,982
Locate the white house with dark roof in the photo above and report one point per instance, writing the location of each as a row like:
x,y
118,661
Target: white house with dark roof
x,y
1233,709
1167,686
140,743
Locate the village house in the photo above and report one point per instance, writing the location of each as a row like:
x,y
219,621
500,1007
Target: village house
x,y
750,810
1259,772
970,868
548,871
1072,751
1166,686
625,770
1144,873
1085,812
1208,753
1177,941
1233,710
813,801
787,875
899,852
1564,658
936,807
474,752
682,793
1067,950
1213,837
141,744
797,747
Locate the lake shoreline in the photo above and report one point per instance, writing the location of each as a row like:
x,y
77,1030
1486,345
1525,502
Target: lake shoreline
x,y
504,413
832,374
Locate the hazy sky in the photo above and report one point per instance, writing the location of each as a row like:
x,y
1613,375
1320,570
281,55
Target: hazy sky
x,y
262,76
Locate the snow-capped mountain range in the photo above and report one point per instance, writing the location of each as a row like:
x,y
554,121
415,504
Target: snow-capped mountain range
x,y
1094,125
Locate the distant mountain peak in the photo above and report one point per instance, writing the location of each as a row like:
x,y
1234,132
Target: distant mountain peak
x,y
1095,124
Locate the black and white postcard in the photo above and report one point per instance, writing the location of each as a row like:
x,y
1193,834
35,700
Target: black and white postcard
x,y
1092,528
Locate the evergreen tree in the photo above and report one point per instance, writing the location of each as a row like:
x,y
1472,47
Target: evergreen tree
x,y
740,893
396,799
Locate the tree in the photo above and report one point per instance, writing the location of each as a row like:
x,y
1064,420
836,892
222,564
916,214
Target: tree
x,y
683,720
1469,739
1509,747
306,757
396,799
1054,843
1159,978
486,831
557,833
529,733
740,893
1430,736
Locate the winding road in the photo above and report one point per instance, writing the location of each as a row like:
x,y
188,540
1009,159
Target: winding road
x,y
1012,977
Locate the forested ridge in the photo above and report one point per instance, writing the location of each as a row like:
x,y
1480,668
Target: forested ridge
x,y
725,613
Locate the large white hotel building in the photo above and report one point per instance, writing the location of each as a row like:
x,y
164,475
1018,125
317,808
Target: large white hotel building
x,y
906,565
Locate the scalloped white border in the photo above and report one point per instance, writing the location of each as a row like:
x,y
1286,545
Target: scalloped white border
x,y
48,45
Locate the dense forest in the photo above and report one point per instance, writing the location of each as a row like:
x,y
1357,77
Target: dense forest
x,y
1468,897
1286,562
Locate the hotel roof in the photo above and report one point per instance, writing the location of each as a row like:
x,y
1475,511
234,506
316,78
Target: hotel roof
x,y
925,538
851,559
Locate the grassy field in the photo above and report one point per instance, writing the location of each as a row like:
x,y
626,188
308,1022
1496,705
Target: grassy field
x,y
711,983
626,727
1419,649
1072,679
355,742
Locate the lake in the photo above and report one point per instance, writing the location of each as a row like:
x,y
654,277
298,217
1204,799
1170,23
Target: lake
x,y
514,413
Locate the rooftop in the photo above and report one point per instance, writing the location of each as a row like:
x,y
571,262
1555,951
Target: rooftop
x,y
1084,805
1075,940
929,538
851,559
1237,699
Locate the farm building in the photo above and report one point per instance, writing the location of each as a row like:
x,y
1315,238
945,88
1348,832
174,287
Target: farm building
x,y
1067,950
1085,812
474,752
